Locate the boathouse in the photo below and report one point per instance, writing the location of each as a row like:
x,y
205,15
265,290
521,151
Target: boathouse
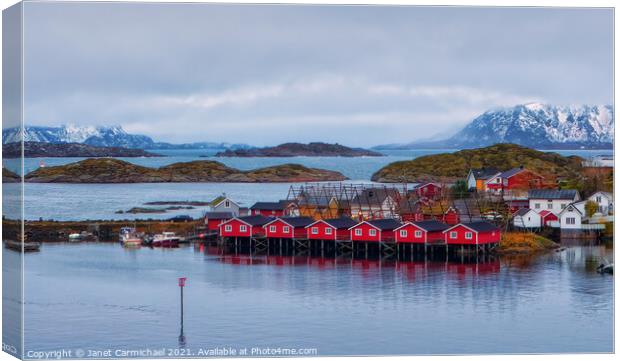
x,y
248,226
526,218
421,232
410,210
213,219
224,204
331,229
267,209
429,190
378,230
287,227
472,233
547,218
451,216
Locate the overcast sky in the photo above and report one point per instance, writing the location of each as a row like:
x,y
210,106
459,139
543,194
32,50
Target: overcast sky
x,y
268,74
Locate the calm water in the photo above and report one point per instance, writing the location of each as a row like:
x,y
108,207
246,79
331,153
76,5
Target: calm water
x,y
101,296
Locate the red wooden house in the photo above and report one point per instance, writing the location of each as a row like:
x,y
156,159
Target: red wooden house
x,y
428,190
331,229
375,230
213,219
420,232
410,210
288,227
451,216
268,209
547,217
247,226
515,179
472,233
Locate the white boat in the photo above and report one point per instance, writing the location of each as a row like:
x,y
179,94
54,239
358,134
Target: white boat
x,y
166,239
75,237
125,231
131,240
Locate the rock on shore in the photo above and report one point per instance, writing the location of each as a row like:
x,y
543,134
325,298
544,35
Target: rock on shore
x,y
109,170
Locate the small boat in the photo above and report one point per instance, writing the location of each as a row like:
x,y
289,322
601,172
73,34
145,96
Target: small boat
x,y
165,239
131,240
82,236
19,246
605,268
75,237
124,232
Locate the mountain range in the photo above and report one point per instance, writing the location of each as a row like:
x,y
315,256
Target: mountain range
x,y
533,125
114,136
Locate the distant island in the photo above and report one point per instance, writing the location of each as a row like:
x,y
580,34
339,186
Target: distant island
x,y
10,177
315,149
452,166
42,149
110,170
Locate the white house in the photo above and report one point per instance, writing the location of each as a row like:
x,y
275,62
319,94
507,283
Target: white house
x,y
526,218
604,201
572,215
551,200
225,204
375,203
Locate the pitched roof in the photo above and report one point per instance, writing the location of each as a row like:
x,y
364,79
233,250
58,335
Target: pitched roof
x,y
572,206
546,213
256,220
484,173
408,206
431,226
341,223
386,224
522,212
509,173
606,194
374,196
316,200
297,221
268,206
480,226
552,194
219,215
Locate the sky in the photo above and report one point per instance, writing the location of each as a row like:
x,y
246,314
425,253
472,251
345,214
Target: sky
x,y
268,74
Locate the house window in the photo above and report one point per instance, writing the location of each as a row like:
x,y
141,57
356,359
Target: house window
x,y
418,234
598,199
243,228
358,231
537,205
468,235
570,220
403,233
272,229
372,232
550,205
287,229
453,235
563,205
228,228
328,230
315,230
227,204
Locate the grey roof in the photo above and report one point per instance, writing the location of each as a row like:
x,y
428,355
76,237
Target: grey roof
x,y
568,194
509,173
481,226
375,196
341,223
484,173
219,215
522,211
432,226
386,224
256,220
298,221
408,206
268,206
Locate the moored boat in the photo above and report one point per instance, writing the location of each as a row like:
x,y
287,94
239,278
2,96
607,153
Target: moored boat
x,y
19,246
166,239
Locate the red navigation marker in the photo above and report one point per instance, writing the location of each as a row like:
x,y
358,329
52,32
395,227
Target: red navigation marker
x,y
182,281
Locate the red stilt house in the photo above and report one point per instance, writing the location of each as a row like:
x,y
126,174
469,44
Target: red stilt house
x,y
247,226
288,227
428,190
331,229
374,231
472,233
421,232
547,217
268,209
213,219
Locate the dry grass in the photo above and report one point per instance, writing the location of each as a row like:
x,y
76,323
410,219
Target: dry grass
x,y
517,242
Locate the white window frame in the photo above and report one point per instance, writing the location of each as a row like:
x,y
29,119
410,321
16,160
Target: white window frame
x,y
272,229
328,230
243,228
372,232
469,235
570,220
418,234
286,229
537,205
403,233
358,231
228,228
454,235
227,204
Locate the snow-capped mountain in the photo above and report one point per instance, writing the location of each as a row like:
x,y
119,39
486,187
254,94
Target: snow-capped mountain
x,y
114,136
97,136
536,125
